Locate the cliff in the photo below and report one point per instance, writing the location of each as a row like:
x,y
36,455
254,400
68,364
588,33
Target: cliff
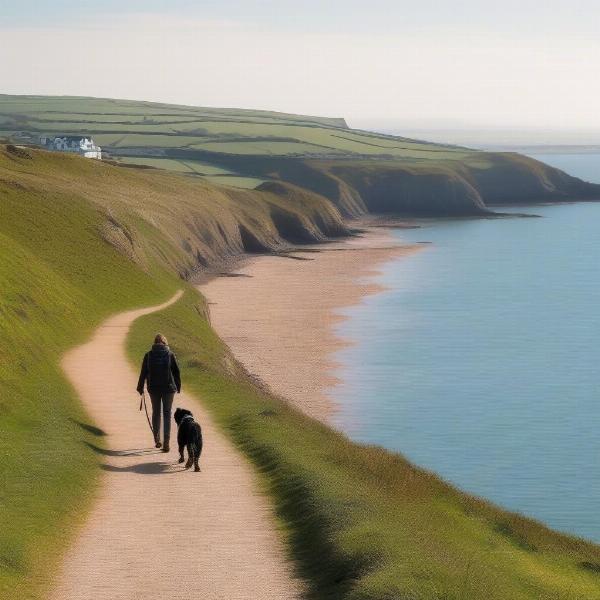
x,y
359,171
204,222
467,186
449,188
516,179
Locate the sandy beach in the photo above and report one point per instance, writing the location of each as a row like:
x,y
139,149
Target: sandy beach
x,y
277,313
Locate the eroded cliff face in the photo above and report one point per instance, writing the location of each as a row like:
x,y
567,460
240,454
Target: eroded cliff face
x,y
203,224
516,179
451,188
433,191
299,215
453,185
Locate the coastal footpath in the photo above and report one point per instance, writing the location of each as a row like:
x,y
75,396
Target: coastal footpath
x,y
357,522
154,532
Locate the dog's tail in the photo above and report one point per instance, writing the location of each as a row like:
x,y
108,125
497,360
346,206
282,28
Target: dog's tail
x,y
197,440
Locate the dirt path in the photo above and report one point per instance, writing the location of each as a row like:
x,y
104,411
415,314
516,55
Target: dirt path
x,y
157,532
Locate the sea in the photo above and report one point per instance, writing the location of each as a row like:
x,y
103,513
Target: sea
x,y
481,360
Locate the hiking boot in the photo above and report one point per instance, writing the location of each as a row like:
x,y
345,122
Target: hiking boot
x,y
166,446
158,445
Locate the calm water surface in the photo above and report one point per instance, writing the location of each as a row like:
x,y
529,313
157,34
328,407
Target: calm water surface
x,y
482,361
585,166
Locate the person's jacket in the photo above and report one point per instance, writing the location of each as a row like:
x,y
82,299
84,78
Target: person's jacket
x,y
159,371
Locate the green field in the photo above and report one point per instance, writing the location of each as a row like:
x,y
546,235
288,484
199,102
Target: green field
x,y
238,181
248,147
210,173
119,125
80,240
195,167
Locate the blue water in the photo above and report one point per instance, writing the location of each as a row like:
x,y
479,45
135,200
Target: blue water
x,y
584,166
482,361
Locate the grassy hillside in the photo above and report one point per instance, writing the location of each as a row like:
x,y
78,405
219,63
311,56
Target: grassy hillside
x,y
59,278
199,141
129,127
80,240
359,171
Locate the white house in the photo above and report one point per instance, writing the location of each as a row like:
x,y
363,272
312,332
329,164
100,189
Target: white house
x,y
82,145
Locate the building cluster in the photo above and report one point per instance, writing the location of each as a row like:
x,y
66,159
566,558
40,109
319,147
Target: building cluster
x,y
77,144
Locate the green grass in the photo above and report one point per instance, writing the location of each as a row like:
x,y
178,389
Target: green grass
x,y
364,523
121,124
181,166
178,166
237,181
255,146
208,172
80,240
58,279
41,107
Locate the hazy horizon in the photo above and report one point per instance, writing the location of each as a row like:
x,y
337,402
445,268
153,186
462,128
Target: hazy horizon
x,y
521,67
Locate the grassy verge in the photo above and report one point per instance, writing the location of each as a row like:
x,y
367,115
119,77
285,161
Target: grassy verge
x,y
363,523
80,240
58,279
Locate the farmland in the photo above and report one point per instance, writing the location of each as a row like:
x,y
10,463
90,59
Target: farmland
x,y
359,171
142,132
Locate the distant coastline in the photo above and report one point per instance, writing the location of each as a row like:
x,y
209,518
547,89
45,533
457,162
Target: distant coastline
x,y
547,149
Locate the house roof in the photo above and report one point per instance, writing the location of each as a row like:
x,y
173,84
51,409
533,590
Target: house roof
x,y
75,138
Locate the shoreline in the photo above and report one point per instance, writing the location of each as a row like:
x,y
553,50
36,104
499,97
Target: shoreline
x,y
277,313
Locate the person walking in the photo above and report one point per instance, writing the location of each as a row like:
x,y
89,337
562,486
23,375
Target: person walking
x,y
160,373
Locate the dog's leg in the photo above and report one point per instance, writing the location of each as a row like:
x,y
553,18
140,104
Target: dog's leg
x,y
181,459
190,460
197,446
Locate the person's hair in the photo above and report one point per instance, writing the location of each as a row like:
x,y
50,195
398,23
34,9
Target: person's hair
x,y
159,338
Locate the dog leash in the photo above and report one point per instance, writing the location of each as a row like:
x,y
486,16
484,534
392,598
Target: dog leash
x,y
143,402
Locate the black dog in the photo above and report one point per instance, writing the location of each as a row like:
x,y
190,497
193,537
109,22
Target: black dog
x,y
189,434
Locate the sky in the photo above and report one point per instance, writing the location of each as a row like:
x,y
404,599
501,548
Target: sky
x,y
385,64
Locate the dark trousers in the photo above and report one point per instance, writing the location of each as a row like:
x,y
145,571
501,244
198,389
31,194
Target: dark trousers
x,y
164,401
